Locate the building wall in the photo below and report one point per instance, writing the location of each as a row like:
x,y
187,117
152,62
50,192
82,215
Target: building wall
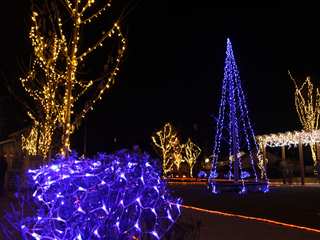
x,y
13,155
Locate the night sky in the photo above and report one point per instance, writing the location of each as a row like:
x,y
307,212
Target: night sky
x,y
174,67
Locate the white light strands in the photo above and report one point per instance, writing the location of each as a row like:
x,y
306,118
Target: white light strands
x,y
289,138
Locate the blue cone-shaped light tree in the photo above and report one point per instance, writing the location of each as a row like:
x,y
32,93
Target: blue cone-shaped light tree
x,y
236,156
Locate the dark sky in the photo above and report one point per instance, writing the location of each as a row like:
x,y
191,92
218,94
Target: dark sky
x,y
174,67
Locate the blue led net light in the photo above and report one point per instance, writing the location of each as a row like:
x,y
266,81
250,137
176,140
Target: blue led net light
x,y
112,197
234,123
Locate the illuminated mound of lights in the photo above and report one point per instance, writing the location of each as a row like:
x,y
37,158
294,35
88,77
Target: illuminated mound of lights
x,y
117,196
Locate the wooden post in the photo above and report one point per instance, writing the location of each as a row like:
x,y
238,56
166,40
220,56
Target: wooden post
x,y
236,168
301,163
283,153
284,165
318,157
318,151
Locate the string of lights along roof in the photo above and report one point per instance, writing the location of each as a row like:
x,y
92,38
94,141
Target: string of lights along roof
x,y
237,160
289,138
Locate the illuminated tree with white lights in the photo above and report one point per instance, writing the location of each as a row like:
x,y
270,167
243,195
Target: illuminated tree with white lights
x,y
61,80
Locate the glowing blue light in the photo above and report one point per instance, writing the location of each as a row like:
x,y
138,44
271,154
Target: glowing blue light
x,y
137,226
96,233
213,174
154,233
202,174
55,168
116,196
36,236
266,189
228,175
81,189
245,174
234,119
243,189
214,191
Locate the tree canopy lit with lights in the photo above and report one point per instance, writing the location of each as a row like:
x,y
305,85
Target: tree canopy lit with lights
x,y
173,152
166,140
307,102
62,56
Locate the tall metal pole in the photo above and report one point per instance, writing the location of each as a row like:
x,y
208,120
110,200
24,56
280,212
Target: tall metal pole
x,y
283,153
236,159
284,165
234,131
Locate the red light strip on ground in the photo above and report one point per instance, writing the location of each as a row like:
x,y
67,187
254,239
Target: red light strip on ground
x,y
253,218
272,184
188,183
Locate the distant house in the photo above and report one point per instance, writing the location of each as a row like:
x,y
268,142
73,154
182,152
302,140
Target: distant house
x,y
16,159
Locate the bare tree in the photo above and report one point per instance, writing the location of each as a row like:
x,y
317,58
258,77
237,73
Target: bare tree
x,y
58,80
164,140
191,153
307,102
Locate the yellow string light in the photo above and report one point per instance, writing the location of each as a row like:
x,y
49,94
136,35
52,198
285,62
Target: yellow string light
x,y
164,140
98,13
173,153
57,58
307,102
177,151
191,154
43,74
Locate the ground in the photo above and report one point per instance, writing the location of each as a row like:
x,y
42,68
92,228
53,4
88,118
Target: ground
x,y
215,227
287,204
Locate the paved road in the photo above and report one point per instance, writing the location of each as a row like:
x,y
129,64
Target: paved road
x,y
295,205
215,227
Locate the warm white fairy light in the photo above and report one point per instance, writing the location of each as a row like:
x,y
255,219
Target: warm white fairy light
x,y
191,153
173,152
289,138
165,140
307,102
59,59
